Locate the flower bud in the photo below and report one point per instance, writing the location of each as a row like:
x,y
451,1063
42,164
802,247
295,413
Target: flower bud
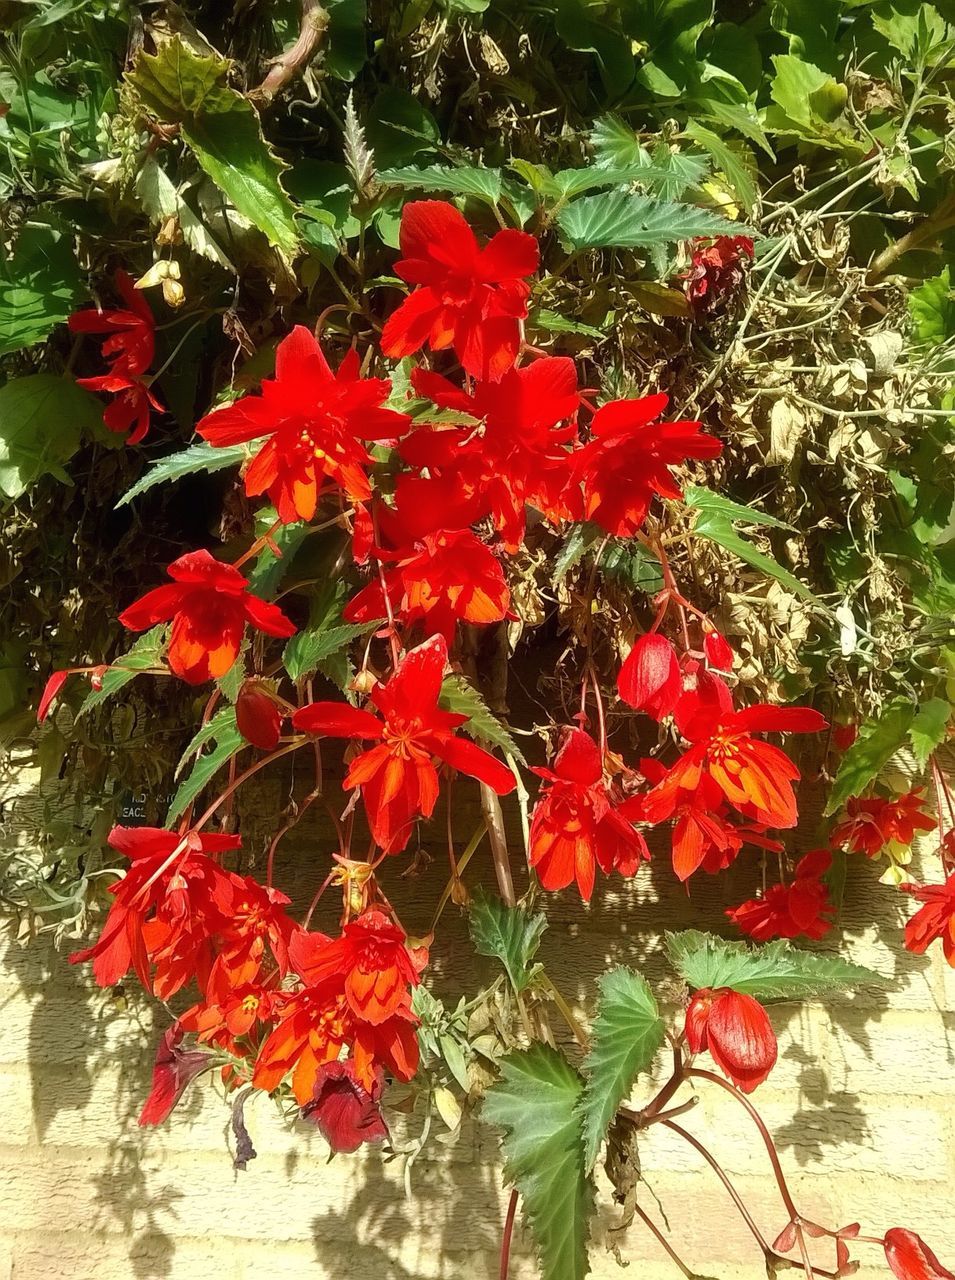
x,y
737,1032
650,678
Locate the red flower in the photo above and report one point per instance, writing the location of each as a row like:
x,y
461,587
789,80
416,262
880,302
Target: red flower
x,y
737,1032
628,461
935,920
345,1113
315,421
398,779
755,777
131,405
257,919
470,298
910,1257
173,1072
209,604
716,270
717,651
257,715
575,824
650,678
516,457
234,1002
50,691
873,821
788,911
132,343
166,908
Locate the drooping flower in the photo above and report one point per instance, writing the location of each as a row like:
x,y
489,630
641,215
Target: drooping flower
x,y
209,603
716,270
910,1257
936,919
873,822
174,1070
650,678
397,776
129,410
257,715
467,297
737,1032
628,461
166,909
576,824
132,341
344,1111
802,908
717,650
315,421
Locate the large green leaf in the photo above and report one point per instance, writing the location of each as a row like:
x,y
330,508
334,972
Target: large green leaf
x,y
509,934
180,86
162,199
198,457
617,219
463,699
775,971
535,1103
220,723
228,742
42,419
145,654
307,650
39,283
626,1035
932,308
929,728
735,160
461,181
877,743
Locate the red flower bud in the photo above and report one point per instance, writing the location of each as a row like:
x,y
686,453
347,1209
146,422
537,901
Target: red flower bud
x,y
910,1257
50,690
258,718
173,1071
650,678
718,652
737,1032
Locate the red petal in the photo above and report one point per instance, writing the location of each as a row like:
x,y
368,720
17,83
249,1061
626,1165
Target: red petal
x,y
650,678
910,1257
407,329
268,617
469,758
155,606
578,759
741,1039
50,690
337,720
763,718
258,718
509,255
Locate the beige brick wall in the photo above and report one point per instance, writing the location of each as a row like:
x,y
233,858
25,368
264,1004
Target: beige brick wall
x,y
861,1105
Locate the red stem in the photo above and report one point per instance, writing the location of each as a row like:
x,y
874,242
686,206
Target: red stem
x,y
508,1232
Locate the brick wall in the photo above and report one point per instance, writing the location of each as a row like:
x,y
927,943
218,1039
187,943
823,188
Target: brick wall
x,y
861,1104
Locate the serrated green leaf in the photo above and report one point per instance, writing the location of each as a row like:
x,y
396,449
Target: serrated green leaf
x,y
632,565
42,420
146,653
269,569
929,728
461,181
776,971
877,743
463,699
198,457
228,742
508,934
551,322
221,722
626,1035
535,1102
719,530
581,539
615,143
618,219
715,504
178,85
306,650
736,162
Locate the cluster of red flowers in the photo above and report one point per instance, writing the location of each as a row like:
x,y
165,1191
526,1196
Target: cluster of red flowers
x,y
129,350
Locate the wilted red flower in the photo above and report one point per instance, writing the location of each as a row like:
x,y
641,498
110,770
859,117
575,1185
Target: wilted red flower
x,y
789,911
628,461
398,779
174,1070
129,410
344,1111
132,342
166,908
650,678
372,955
257,715
936,919
843,736
469,298
575,825
910,1257
517,456
872,822
737,1032
209,604
716,269
315,420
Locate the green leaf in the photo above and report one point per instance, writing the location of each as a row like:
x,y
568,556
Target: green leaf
x,y
39,284
551,322
162,199
145,654
932,308
911,27
715,504
632,566
620,220
463,181
269,569
221,722
305,652
810,105
735,161
177,85
672,172
776,971
719,530
535,1102
627,1033
399,128
42,419
228,742
877,743
198,457
811,26
615,143
508,934
929,728
581,539
460,697
347,49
